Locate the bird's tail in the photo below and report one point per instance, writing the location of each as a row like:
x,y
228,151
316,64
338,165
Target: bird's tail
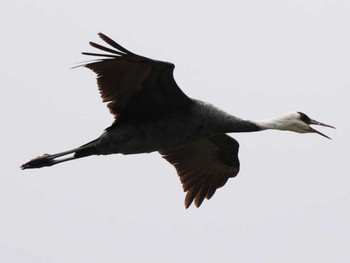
x,y
52,159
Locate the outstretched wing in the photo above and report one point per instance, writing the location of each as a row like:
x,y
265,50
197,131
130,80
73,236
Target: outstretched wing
x,y
136,87
204,166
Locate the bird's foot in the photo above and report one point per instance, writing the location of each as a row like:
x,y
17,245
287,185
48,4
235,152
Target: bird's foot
x,y
40,161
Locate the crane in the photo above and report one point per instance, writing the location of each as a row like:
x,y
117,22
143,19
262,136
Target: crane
x,y
153,114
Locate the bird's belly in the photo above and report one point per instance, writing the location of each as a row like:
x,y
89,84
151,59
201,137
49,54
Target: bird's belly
x,y
149,137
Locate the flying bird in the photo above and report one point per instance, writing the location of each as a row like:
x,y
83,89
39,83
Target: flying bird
x,y
153,114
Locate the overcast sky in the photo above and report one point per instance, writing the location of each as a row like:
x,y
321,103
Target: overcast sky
x,y
254,59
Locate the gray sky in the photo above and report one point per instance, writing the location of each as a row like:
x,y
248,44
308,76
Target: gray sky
x,y
254,59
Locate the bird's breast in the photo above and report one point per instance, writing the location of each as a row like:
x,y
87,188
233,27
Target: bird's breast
x,y
153,136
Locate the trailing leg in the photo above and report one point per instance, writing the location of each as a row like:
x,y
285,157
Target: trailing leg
x,y
52,159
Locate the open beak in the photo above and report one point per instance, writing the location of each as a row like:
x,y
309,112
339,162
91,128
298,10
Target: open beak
x,y
313,122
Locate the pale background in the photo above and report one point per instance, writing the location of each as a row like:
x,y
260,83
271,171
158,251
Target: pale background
x,y
254,59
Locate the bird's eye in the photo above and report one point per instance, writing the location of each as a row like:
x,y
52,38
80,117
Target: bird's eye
x,y
304,118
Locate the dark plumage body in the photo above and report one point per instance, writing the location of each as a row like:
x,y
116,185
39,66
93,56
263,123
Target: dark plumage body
x,y
202,120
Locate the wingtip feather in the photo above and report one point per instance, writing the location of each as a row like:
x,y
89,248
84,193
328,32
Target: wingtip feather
x,y
114,44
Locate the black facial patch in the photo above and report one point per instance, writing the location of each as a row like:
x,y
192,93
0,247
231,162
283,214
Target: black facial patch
x,y
304,117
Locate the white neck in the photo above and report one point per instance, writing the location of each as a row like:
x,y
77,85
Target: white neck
x,y
281,122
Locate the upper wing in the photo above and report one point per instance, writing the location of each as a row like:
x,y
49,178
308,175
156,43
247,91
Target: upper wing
x,y
136,87
204,166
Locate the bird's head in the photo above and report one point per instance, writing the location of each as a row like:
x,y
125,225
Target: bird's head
x,y
296,122
307,121
293,121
